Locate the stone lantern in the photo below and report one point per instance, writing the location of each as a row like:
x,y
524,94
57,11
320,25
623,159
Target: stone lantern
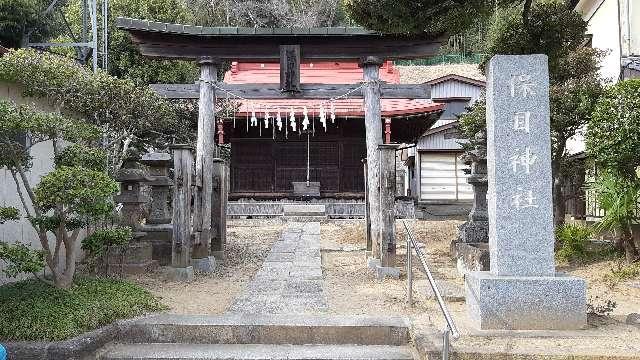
x,y
158,226
136,257
471,248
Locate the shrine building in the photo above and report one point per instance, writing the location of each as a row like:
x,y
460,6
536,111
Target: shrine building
x,y
266,159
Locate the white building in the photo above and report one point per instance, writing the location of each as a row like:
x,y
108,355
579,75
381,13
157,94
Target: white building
x,y
436,176
614,26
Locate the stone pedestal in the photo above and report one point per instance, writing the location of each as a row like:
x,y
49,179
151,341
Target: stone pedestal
x,y
134,258
525,303
522,290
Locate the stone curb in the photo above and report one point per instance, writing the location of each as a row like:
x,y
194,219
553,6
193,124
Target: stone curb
x,y
77,348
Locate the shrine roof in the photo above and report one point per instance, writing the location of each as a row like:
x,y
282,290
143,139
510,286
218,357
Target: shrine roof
x,y
310,73
323,73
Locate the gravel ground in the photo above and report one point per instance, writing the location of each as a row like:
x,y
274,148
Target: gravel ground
x,y
353,289
248,243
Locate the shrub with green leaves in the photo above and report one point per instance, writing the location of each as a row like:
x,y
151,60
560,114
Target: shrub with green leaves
x,y
573,240
97,243
612,134
618,196
8,213
124,113
76,192
21,259
33,311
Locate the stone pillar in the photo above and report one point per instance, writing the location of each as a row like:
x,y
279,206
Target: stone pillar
x,y
373,129
219,209
522,290
387,210
367,216
158,225
181,201
205,152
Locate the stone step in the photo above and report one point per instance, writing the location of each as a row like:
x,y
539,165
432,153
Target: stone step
x,y
305,219
269,329
254,352
304,210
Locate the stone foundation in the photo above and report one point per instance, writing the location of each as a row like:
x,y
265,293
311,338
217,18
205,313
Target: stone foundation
x,y
526,303
472,257
335,208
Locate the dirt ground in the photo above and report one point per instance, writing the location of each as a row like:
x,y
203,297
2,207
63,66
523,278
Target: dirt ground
x,y
248,242
351,288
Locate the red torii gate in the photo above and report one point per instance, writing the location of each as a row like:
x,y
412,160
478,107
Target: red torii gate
x,y
210,46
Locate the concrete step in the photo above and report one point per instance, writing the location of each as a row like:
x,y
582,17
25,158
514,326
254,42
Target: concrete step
x,y
269,329
254,352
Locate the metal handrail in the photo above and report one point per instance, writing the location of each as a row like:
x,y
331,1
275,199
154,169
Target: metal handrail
x,y
451,326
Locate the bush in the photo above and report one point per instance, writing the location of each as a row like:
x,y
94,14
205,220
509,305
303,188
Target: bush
x,y
21,259
600,307
573,240
35,311
8,213
97,243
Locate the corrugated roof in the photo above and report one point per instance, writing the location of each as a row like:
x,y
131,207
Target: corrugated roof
x,y
423,74
322,73
310,73
343,107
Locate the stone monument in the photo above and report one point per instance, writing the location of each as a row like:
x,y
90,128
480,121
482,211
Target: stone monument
x,y
522,291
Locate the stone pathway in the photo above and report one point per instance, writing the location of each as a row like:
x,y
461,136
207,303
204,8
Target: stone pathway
x,y
290,280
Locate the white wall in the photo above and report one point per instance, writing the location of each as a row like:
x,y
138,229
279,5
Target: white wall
x,y
604,25
21,231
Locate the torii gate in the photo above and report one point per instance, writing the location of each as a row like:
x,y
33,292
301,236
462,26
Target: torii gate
x,y
210,46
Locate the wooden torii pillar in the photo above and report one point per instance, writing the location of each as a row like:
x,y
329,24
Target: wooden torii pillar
x,y
203,221
373,129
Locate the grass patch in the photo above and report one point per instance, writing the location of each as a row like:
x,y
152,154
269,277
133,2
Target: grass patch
x,y
622,273
32,310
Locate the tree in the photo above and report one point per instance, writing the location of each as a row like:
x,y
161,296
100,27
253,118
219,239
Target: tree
x,y
128,116
22,18
267,13
556,30
124,59
77,192
613,142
